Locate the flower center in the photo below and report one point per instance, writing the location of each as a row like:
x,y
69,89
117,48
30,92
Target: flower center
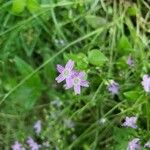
x,y
76,81
66,72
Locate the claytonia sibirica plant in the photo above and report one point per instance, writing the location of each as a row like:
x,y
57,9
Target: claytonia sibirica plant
x,y
17,146
134,144
65,72
113,87
77,81
75,74
73,78
130,122
37,127
130,61
32,144
146,83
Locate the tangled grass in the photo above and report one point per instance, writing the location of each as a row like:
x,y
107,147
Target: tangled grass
x,y
108,40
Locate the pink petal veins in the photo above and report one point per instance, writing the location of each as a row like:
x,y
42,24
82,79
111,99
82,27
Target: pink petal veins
x,y
70,65
77,89
60,68
60,78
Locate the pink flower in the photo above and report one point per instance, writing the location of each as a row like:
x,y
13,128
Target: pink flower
x,y
17,146
65,73
73,78
134,144
37,126
130,122
130,61
32,144
77,81
146,83
113,87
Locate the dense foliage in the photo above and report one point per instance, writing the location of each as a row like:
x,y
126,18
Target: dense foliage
x,y
108,40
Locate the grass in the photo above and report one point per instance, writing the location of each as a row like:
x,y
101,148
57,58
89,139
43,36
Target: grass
x,y
35,36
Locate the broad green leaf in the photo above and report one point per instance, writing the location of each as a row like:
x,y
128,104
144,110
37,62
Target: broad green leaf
x,y
132,95
122,137
33,5
25,69
31,89
25,96
123,133
122,145
22,66
80,59
95,21
18,6
97,58
124,46
82,62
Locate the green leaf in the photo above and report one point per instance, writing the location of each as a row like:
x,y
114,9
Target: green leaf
x,y
122,62
121,146
31,89
133,10
25,69
18,6
80,59
22,66
97,58
95,21
122,137
124,46
123,133
132,95
33,5
26,97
